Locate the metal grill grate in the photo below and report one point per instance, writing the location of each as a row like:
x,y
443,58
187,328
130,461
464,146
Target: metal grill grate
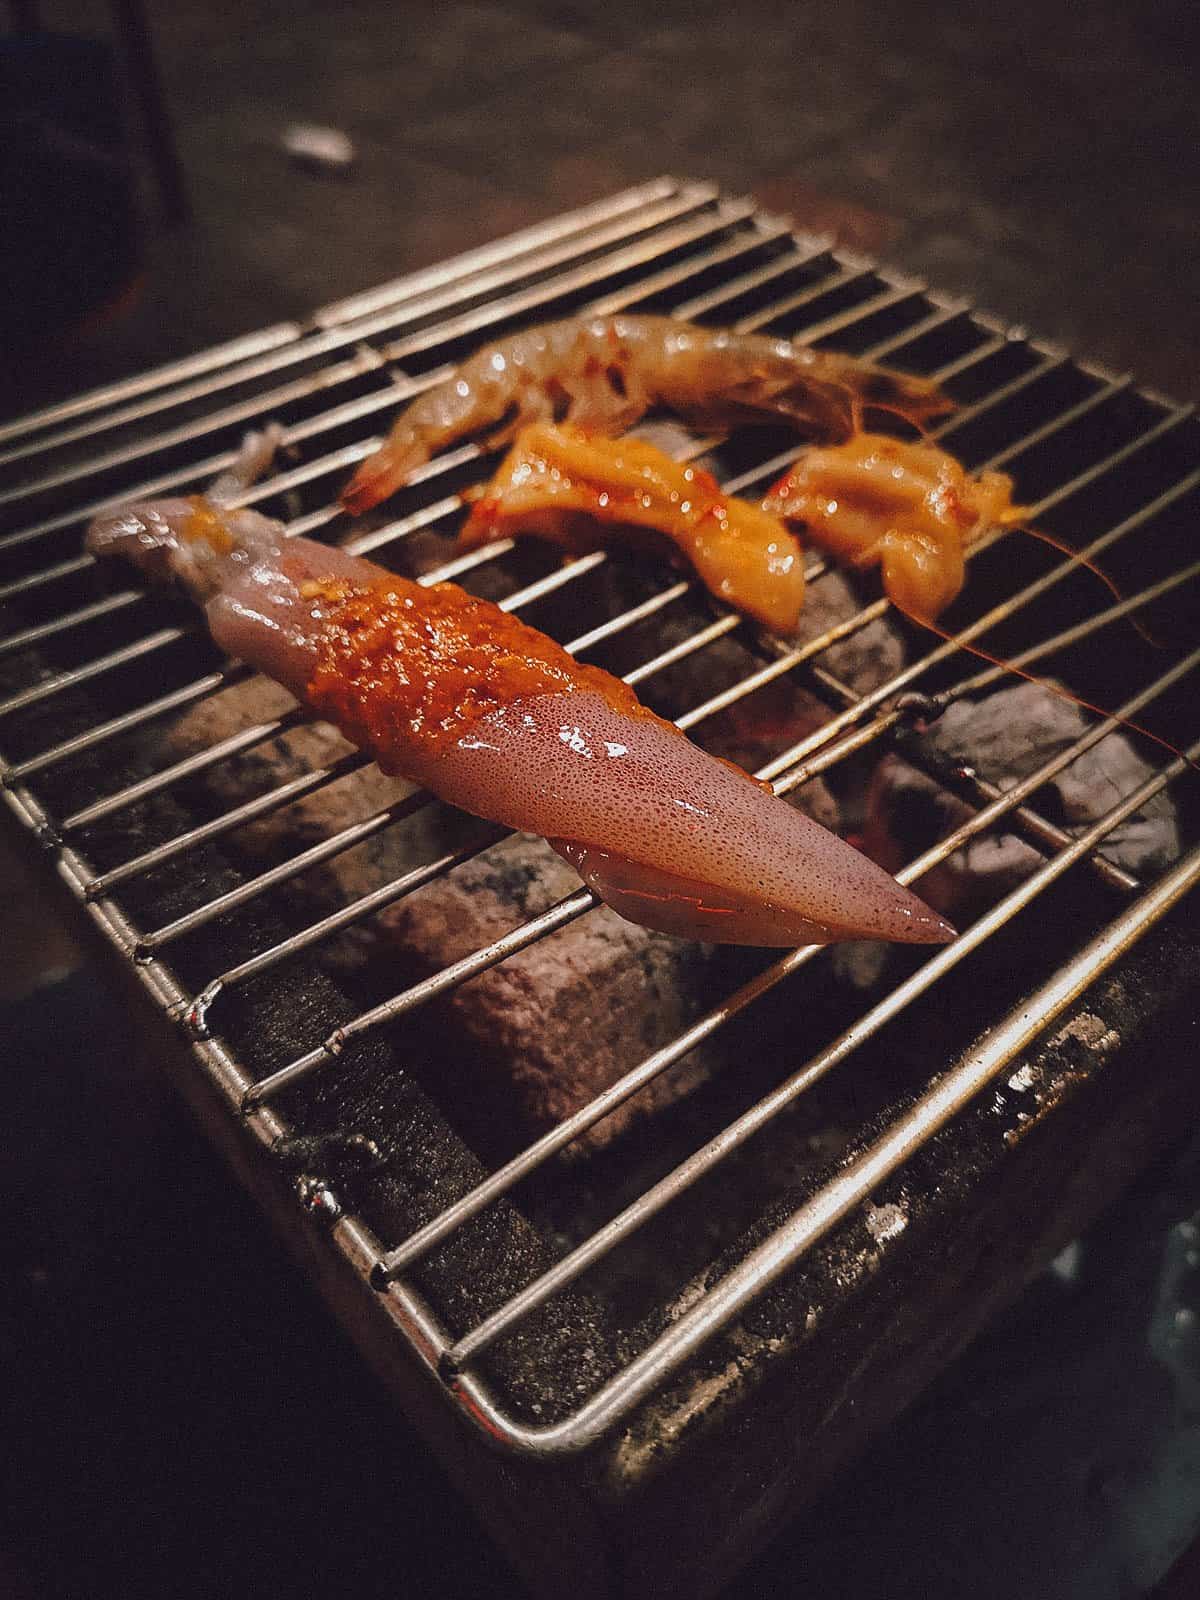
x,y
1105,463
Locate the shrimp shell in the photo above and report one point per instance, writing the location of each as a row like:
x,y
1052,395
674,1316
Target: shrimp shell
x,y
604,373
910,509
557,484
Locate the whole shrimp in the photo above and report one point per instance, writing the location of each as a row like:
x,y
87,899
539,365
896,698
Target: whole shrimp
x,y
497,718
603,373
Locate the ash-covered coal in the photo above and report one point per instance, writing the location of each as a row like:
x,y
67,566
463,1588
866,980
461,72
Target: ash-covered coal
x,y
1005,737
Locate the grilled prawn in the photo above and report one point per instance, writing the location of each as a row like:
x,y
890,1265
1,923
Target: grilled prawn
x,y
603,373
910,509
495,717
557,484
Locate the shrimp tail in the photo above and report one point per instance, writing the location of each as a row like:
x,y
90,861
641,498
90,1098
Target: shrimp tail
x,y
918,400
386,470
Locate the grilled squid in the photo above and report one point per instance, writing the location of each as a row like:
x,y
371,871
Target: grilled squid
x,y
909,509
493,716
558,484
604,373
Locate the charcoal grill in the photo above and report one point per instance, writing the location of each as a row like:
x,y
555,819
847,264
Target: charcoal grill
x,y
1022,1073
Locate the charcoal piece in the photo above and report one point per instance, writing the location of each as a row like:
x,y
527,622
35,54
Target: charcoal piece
x,y
519,1025
863,660
1012,733
304,822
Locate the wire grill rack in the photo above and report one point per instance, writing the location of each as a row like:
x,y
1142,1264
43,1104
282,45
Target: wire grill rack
x,y
1105,463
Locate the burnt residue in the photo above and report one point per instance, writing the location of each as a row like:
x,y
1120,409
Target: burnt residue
x,y
958,1229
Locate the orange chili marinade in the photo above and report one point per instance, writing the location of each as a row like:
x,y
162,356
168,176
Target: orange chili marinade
x,y
402,668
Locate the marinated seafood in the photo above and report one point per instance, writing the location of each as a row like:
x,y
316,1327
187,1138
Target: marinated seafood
x,y
604,373
909,509
556,483
495,717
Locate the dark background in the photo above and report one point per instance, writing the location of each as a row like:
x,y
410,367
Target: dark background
x,y
1038,155
177,1415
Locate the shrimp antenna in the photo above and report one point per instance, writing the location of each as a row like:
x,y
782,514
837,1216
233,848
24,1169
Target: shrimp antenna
x,y
1064,547
1052,687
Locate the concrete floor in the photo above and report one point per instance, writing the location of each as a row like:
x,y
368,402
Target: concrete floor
x,y
1037,155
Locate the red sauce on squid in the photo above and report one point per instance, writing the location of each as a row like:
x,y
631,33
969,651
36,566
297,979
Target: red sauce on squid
x,y
401,667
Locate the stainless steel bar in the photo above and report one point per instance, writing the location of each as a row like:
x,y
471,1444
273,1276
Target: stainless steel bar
x,y
362,364
235,817
333,844
197,474
558,916
26,638
351,307
1099,396
222,677
726,1299
693,309
1039,829
836,278
195,1013
766,234
863,312
73,676
836,750
1082,630
981,352
528,1160
38,580
238,349
189,766
939,317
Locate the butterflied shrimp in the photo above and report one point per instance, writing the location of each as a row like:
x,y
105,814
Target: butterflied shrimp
x,y
557,483
909,509
493,716
603,373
